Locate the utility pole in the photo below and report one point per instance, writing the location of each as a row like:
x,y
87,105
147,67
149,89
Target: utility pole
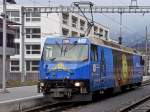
x,y
146,50
4,42
22,50
49,2
4,46
120,37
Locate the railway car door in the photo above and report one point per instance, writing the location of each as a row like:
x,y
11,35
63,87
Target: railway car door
x,y
94,68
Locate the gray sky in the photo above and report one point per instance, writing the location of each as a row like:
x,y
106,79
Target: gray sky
x,y
133,24
98,2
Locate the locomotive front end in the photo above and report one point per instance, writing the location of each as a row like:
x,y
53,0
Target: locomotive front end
x,y
64,68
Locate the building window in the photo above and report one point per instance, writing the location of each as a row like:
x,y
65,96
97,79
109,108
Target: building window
x,y
14,65
10,40
14,15
32,49
82,25
95,30
17,30
32,65
33,32
74,21
17,48
73,33
101,31
36,16
106,34
65,31
82,35
65,17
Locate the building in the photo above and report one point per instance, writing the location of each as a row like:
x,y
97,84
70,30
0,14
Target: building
x,y
10,49
37,26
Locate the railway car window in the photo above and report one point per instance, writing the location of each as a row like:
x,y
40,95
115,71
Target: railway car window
x,y
142,61
94,53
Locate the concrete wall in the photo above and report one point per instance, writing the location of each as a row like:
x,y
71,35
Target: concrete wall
x,y
50,24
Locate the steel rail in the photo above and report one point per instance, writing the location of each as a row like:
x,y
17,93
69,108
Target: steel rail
x,y
146,83
42,107
135,104
53,107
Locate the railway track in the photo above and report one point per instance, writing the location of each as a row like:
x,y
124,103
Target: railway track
x,y
146,83
142,105
55,107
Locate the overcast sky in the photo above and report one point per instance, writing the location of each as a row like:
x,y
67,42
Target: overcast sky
x,y
133,24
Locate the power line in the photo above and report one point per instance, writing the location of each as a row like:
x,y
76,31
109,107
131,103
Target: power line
x,y
122,25
126,27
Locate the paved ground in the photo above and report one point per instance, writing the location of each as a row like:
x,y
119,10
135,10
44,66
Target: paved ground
x,y
116,102
19,92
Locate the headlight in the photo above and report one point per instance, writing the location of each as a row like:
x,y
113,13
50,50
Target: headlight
x,y
77,84
41,84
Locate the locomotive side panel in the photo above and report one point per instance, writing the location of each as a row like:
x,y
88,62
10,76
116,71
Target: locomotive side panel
x,y
102,75
107,67
138,69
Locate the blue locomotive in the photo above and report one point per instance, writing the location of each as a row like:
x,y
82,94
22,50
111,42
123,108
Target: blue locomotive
x,y
78,68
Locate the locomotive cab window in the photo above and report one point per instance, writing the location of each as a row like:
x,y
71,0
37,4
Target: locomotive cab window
x,y
94,53
65,52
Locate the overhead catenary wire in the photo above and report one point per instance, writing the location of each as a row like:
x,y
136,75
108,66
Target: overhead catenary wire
x,y
90,23
123,26
126,27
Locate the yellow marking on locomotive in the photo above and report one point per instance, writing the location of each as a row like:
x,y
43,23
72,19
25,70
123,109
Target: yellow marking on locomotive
x,y
124,67
60,66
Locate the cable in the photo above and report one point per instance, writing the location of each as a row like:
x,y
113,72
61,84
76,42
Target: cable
x,y
129,29
126,26
104,15
90,24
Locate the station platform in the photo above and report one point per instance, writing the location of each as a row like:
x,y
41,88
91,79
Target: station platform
x,y
18,93
27,92
145,78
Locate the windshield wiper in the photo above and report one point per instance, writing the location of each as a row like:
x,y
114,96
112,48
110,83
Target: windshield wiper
x,y
61,48
65,50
